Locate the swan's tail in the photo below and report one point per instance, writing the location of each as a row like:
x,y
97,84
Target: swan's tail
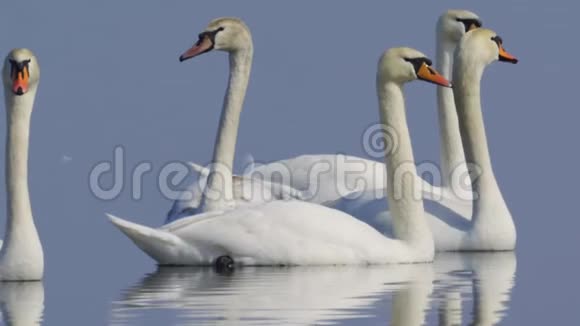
x,y
202,170
279,190
158,244
249,162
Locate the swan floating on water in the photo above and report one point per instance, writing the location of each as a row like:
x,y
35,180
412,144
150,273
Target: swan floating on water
x,y
291,232
21,256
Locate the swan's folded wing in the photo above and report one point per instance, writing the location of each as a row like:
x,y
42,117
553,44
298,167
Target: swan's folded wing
x,y
163,246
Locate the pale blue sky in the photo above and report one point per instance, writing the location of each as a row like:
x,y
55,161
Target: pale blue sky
x,y
111,76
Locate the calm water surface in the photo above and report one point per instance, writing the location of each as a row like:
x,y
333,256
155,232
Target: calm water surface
x,y
457,289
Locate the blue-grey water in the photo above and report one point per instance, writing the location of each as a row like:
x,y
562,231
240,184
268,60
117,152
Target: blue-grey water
x,y
456,289
111,77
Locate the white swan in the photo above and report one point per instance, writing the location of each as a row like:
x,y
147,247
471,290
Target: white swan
x,y
233,36
296,232
21,257
220,189
451,26
491,226
247,190
324,176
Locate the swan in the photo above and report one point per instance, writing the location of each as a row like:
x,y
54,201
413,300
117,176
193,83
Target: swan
x,y
321,176
221,189
323,179
233,36
246,191
296,232
491,226
451,26
21,256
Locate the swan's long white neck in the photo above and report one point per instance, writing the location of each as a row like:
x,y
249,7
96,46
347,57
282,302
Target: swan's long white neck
x,y
451,148
19,109
405,203
467,76
21,256
218,193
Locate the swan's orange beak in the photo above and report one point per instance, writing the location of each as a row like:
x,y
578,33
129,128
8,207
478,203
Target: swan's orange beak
x,y
431,75
505,56
204,44
20,76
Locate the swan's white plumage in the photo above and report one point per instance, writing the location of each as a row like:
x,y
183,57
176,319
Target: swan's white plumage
x,y
451,26
491,227
327,178
448,210
294,232
275,233
319,178
333,186
492,224
21,256
247,190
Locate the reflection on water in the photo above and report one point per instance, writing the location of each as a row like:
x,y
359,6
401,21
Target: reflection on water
x,y
22,303
299,295
479,282
459,288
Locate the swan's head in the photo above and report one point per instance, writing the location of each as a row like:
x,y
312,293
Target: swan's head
x,y
453,24
21,71
224,34
485,46
402,65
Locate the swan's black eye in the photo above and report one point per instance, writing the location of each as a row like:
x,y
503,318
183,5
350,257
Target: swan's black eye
x,y
469,23
12,67
497,39
17,67
418,62
210,34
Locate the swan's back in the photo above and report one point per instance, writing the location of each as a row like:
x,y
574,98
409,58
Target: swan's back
x,y
246,191
321,176
284,233
446,217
